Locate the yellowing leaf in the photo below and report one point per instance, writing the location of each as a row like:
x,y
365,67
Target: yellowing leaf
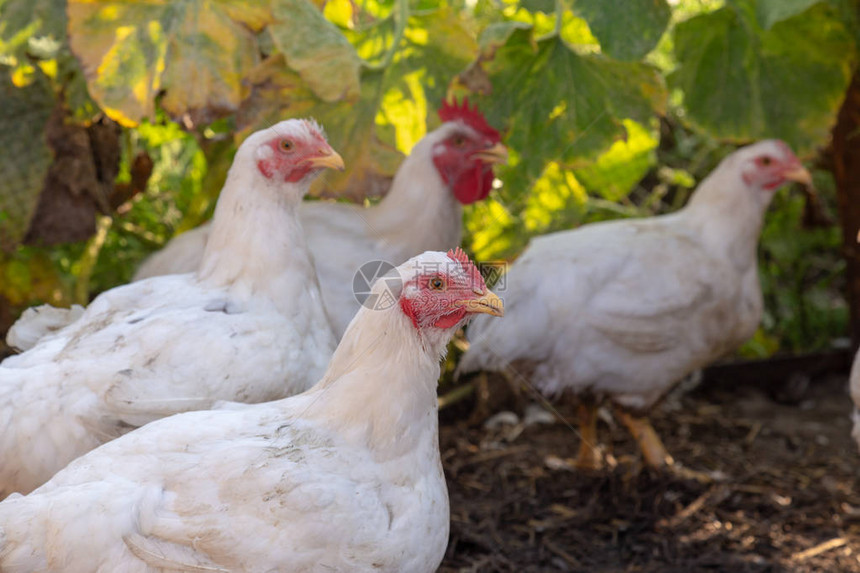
x,y
196,51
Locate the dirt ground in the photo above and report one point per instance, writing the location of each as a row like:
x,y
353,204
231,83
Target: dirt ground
x,y
787,501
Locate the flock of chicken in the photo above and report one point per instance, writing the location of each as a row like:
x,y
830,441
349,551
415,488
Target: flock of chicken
x,y
251,415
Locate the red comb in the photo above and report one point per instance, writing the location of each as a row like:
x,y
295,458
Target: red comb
x,y
471,117
468,266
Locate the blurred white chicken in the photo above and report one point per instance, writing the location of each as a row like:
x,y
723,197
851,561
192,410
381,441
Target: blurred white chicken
x,y
39,321
854,388
345,477
248,326
623,310
450,166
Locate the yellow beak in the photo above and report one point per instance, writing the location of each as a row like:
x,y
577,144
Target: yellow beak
x,y
329,158
489,303
495,154
799,174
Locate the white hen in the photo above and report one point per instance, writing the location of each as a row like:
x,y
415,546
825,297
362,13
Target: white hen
x,y
248,326
448,167
624,309
345,477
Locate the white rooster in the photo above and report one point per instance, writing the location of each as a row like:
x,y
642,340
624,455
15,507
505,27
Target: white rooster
x,y
450,166
248,326
345,477
623,310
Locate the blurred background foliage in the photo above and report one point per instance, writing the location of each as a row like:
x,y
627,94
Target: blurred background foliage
x,y
119,120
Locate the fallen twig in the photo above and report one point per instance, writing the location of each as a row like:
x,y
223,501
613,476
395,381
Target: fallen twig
x,y
820,548
713,496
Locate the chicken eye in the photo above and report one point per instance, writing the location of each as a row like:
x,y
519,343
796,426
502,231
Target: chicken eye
x,y
458,141
436,283
285,145
765,161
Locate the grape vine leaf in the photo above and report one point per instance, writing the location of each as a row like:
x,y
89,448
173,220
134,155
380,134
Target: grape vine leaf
x,y
742,83
194,51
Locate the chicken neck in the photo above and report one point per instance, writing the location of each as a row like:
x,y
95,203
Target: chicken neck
x,y
419,213
256,245
380,388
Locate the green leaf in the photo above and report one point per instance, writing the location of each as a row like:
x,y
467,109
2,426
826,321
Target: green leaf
x,y
769,12
196,51
315,48
627,29
574,112
25,21
435,46
546,6
740,83
497,34
616,172
392,110
26,156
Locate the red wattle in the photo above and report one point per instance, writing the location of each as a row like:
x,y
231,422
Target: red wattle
x,y
474,185
450,320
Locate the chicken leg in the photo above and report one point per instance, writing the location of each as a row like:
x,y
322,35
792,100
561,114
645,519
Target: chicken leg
x,y
653,451
589,458
640,428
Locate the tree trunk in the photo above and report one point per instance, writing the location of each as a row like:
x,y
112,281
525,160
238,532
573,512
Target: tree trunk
x,y
846,170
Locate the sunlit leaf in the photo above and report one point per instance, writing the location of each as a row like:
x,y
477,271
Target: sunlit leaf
x,y
26,156
194,51
617,171
787,82
627,29
556,194
493,231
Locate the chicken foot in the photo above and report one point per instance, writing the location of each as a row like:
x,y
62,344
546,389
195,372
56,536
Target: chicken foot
x,y
653,450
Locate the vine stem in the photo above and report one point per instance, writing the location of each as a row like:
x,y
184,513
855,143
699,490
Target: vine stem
x,y
559,14
401,19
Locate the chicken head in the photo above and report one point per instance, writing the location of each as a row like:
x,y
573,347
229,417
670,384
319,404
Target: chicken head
x,y
442,293
294,151
465,156
770,164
